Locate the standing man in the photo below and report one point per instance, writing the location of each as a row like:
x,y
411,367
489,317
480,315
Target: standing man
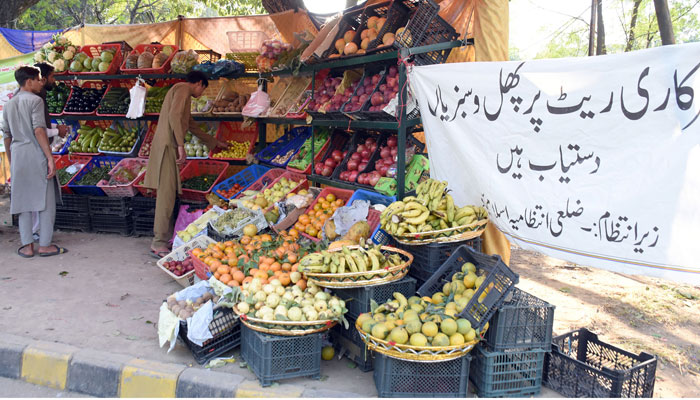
x,y
34,183
168,150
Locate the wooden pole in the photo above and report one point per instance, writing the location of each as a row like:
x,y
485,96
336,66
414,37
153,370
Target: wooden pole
x,y
591,34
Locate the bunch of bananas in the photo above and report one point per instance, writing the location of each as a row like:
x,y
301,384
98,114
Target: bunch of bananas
x,y
362,259
431,209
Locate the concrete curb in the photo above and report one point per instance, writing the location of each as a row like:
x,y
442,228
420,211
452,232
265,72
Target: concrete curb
x,y
103,374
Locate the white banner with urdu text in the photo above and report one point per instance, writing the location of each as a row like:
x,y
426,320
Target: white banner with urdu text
x,y
594,160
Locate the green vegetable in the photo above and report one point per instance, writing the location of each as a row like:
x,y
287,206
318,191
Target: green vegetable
x,y
64,176
95,175
201,183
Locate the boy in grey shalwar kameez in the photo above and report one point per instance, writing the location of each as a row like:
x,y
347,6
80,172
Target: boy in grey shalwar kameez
x,y
34,185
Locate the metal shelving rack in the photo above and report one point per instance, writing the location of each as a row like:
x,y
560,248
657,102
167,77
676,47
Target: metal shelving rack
x,y
403,126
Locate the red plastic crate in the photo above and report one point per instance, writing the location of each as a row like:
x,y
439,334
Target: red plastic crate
x,y
373,219
94,50
266,180
235,131
146,192
317,159
162,83
155,49
343,194
122,83
85,84
148,139
200,268
67,160
198,168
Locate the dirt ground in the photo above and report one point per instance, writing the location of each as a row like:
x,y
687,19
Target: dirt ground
x,y
121,289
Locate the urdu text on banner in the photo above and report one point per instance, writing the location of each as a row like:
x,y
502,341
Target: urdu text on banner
x,y
594,160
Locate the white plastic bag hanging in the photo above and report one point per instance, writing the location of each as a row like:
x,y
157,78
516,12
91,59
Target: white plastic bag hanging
x,y
137,104
258,104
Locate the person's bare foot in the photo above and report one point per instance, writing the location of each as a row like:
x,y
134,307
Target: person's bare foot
x,y
26,251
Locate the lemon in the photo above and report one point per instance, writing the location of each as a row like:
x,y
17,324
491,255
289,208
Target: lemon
x,y
470,336
413,326
327,353
398,335
410,315
468,267
451,305
458,287
456,339
446,288
470,280
429,329
389,325
441,340
463,326
450,312
437,298
379,317
418,339
368,325
363,317
414,300
379,331
448,326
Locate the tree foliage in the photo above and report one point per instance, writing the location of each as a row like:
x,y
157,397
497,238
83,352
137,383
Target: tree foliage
x,y
51,14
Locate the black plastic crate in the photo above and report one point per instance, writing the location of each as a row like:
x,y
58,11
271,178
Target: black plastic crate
x,y
107,223
15,220
141,205
428,258
226,331
401,378
357,301
506,374
280,357
424,28
73,203
499,278
522,322
143,226
581,365
74,221
355,349
115,206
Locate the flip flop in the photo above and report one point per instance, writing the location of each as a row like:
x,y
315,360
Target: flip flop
x,y
59,250
19,251
159,254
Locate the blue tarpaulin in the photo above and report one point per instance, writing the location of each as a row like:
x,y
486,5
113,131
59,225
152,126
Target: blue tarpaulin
x,y
27,41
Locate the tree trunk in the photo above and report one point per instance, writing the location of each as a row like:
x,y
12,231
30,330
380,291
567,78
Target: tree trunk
x,y
665,25
600,45
591,33
13,9
633,25
350,3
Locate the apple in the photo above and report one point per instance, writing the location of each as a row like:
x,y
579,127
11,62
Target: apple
x,y
365,154
362,166
374,177
370,141
337,155
385,152
353,176
375,79
360,148
372,22
363,34
394,152
330,162
327,171
365,43
377,99
350,48
388,39
318,168
380,23
352,165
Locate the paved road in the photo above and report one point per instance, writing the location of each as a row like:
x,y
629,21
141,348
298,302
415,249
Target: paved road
x,y
17,388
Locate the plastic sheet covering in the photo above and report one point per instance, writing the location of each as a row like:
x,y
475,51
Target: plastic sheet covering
x,y
26,41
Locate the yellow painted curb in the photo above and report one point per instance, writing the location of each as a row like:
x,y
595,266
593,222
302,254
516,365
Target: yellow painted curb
x,y
46,364
142,378
253,389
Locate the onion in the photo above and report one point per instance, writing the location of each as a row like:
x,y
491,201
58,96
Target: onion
x,y
362,166
327,171
394,152
365,154
330,162
352,165
385,152
355,156
392,141
374,178
337,155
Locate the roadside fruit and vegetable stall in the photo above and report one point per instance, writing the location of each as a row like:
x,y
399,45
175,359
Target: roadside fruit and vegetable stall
x,y
329,235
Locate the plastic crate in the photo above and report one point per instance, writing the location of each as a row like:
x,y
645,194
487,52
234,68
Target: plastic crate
x,y
357,139
125,190
148,139
143,225
372,197
367,75
73,203
257,219
289,142
424,28
320,154
402,378
95,50
134,151
581,365
357,300
349,340
342,194
226,331
397,14
74,221
498,275
114,206
523,322
107,223
93,163
428,258
180,254
103,124
124,83
155,49
64,149
160,83
245,41
244,178
281,357
235,131
85,84
143,206
506,374
65,161
198,168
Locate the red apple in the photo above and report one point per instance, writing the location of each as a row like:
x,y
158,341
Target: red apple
x,y
374,178
385,152
353,176
330,162
355,156
319,168
327,171
365,154
337,155
362,166
352,165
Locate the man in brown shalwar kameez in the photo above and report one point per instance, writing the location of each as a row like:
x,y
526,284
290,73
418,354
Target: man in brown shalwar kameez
x,y
168,150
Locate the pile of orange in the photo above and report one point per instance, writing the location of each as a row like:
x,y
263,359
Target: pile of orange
x,y
276,259
311,223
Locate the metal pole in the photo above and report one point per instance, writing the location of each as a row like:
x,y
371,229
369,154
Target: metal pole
x,y
591,34
401,156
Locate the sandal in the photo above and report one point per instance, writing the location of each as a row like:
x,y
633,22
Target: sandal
x,y
59,250
159,254
19,251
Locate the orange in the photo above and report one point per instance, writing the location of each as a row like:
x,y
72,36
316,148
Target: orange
x,y
295,267
239,276
213,268
264,266
292,257
233,283
302,284
304,219
252,271
245,240
225,278
276,266
339,203
247,279
261,275
217,275
228,243
223,270
287,267
330,198
266,238
311,231
285,279
196,252
317,207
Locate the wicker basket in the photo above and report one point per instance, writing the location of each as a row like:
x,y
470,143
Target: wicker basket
x,y
458,234
284,328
